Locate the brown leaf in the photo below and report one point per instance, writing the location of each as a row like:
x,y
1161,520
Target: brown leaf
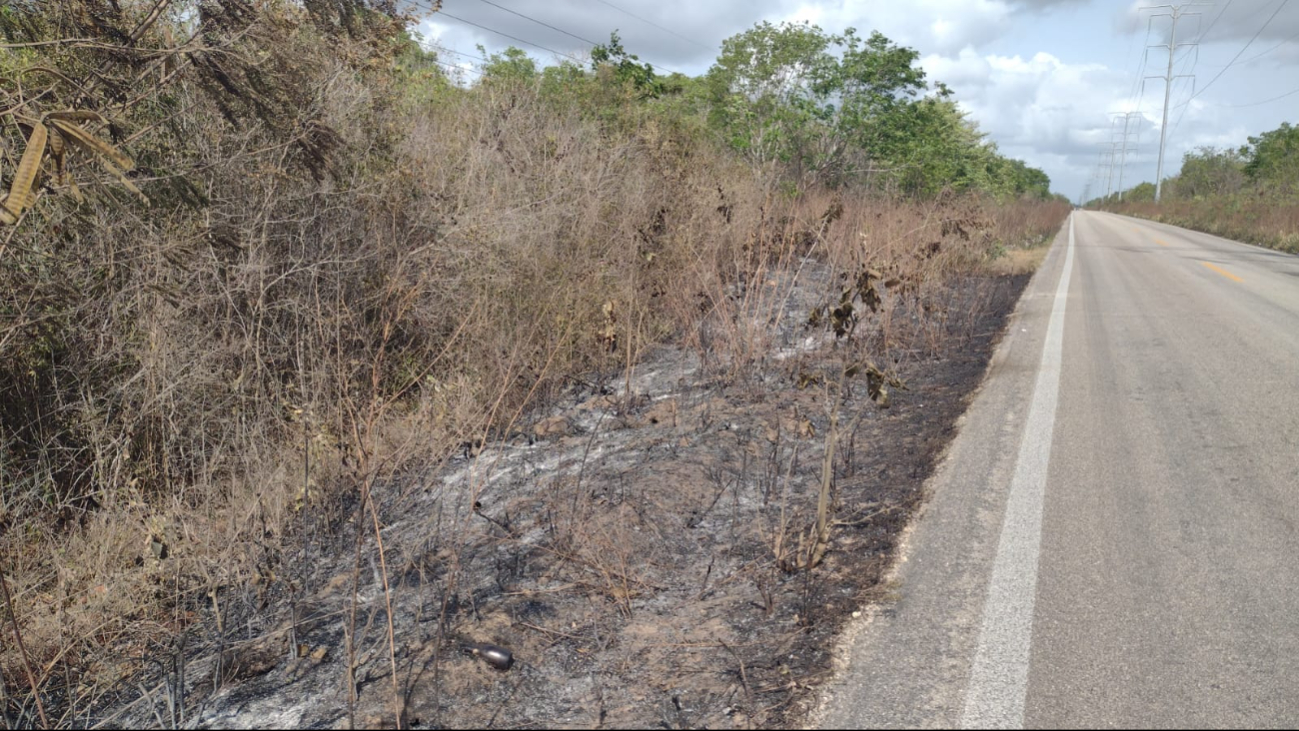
x,y
92,143
75,115
19,192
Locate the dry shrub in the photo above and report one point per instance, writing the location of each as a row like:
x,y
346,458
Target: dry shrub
x,y
898,258
173,370
1266,221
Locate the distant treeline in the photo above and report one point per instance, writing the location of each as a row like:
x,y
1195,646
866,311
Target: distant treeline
x,y
1268,165
1247,193
819,108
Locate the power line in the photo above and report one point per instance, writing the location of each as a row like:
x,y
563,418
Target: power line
x,y
656,25
1265,101
561,30
1136,96
1141,69
1264,53
530,43
1242,50
1186,104
1181,114
445,14
439,49
538,22
452,66
1273,48
1215,21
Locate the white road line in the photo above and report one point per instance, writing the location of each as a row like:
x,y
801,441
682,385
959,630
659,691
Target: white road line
x,y
999,678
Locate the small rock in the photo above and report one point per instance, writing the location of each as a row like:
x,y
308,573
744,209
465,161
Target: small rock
x,y
555,426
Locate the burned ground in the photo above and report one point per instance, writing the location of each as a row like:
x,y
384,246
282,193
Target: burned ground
x,y
631,547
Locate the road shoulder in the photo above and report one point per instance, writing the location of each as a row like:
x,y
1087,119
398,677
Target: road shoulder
x,y
906,661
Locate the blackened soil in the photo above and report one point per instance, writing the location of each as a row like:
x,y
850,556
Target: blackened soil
x,y
642,558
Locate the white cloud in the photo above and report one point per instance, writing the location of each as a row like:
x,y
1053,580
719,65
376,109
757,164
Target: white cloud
x,y
931,26
1053,114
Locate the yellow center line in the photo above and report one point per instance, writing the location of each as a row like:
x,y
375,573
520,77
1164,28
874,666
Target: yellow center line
x,y
1223,272
1160,242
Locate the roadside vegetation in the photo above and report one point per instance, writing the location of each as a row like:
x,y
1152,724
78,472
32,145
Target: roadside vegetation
x,y
258,258
1250,193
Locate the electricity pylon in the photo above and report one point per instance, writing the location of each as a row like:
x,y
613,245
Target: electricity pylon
x,y
1176,12
1123,142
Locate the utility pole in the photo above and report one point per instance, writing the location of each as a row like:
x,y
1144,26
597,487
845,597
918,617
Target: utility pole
x,y
1123,150
1099,177
1108,152
1176,12
1108,155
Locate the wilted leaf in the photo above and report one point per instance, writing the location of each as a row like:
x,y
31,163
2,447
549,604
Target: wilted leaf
x,y
121,178
20,191
58,151
92,143
75,115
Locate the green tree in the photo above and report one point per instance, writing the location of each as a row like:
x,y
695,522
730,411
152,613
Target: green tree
x,y
878,83
560,82
1273,158
930,145
625,67
512,64
769,92
1142,192
833,109
1209,171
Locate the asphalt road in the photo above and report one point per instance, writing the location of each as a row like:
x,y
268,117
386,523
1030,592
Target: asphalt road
x,y
1111,538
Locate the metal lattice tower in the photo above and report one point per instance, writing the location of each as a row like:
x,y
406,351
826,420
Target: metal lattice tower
x,y
1176,12
1128,128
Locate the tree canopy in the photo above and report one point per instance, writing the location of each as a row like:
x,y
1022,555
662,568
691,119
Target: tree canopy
x,y
838,108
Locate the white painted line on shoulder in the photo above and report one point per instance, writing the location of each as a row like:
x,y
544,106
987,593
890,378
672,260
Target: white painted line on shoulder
x,y
999,678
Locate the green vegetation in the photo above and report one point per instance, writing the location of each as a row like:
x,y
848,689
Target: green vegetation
x,y
1247,193
839,109
813,109
342,261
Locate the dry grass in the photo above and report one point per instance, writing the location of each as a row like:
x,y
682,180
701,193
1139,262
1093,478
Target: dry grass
x,y
1018,261
192,386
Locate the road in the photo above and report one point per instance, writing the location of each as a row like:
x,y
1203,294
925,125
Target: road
x,y
1111,537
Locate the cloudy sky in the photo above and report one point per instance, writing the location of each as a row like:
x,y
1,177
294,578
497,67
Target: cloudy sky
x,y
1041,77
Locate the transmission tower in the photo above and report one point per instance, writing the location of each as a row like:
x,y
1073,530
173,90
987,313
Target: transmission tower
x,y
1098,177
1109,154
1176,13
1127,129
